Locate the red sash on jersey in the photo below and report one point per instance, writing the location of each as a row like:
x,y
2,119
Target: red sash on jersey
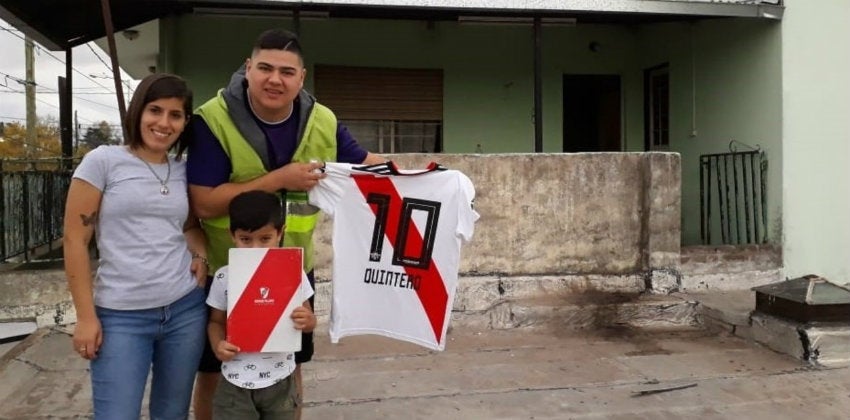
x,y
432,291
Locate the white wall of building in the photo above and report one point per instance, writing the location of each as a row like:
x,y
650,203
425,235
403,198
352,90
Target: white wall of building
x,y
816,138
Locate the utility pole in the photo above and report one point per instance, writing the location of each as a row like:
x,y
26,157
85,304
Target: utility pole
x,y
29,89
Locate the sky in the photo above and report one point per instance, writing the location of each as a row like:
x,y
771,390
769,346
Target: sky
x,y
93,89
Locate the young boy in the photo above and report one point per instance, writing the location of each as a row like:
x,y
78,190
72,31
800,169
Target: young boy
x,y
256,385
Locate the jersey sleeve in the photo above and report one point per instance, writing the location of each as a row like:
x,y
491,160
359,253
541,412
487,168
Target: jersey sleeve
x,y
467,216
206,164
330,189
94,168
217,298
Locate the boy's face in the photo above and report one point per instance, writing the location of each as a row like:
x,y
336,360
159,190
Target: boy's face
x,y
264,237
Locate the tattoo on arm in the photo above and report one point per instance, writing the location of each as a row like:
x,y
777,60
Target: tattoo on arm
x,y
90,219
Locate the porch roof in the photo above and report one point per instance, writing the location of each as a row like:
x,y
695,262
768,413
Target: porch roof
x,y
59,25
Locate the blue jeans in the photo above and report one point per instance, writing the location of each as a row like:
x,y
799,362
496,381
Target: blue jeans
x,y
168,338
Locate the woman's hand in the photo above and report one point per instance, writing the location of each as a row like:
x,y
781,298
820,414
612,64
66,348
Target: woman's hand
x,y
199,268
88,336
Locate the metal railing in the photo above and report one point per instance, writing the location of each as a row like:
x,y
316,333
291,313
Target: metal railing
x,y
733,197
32,205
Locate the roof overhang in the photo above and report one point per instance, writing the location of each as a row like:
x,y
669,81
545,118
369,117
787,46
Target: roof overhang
x,y
59,25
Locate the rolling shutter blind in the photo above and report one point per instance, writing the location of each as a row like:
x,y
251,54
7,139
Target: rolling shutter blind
x,y
366,93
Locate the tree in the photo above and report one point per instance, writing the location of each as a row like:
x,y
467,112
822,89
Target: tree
x,y
47,144
45,149
99,134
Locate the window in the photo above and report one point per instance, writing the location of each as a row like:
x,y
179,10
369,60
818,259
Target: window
x,y
389,136
657,103
387,110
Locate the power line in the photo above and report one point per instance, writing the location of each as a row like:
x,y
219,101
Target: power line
x,y
46,103
108,67
40,48
48,92
72,68
21,81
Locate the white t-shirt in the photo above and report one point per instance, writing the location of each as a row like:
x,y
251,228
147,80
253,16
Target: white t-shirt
x,y
144,259
253,370
397,237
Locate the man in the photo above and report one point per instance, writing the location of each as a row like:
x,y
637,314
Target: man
x,y
263,132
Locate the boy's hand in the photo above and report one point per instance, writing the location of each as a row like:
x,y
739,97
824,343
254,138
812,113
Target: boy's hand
x,y
304,319
225,350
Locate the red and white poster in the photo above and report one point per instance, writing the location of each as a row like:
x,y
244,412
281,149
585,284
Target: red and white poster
x,y
263,288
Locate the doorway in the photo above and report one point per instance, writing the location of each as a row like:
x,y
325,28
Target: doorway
x,y
592,121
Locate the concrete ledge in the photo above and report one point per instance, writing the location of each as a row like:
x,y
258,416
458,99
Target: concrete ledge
x,y
727,281
730,307
581,311
41,296
778,334
489,301
828,345
825,345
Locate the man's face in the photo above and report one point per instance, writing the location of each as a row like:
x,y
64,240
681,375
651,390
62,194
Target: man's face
x,y
264,237
274,79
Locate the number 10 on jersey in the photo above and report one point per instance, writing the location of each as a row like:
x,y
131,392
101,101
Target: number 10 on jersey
x,y
411,248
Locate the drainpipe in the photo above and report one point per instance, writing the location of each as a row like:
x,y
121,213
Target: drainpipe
x,y
538,85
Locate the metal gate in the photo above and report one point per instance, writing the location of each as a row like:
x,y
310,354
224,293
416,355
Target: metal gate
x,y
732,197
32,205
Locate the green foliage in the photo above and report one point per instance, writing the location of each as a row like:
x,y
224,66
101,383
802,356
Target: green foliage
x,y
99,134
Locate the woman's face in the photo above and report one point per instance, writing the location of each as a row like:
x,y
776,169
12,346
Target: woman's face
x,y
161,123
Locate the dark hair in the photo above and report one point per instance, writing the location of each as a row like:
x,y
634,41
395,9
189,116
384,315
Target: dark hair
x,y
251,210
278,39
151,88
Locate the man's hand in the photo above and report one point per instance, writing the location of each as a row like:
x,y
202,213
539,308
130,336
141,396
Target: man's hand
x,y
297,176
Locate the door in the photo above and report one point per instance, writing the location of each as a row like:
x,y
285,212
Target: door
x,y
592,120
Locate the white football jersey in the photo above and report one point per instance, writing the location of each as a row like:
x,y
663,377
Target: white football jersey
x,y
397,236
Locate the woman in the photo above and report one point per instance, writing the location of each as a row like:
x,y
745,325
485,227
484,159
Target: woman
x,y
144,310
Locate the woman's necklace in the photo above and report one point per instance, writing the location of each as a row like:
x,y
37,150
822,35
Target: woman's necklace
x,y
163,183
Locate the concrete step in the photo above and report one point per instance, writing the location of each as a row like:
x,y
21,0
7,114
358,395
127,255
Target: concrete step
x,y
16,330
733,312
572,302
729,267
583,311
36,295
729,258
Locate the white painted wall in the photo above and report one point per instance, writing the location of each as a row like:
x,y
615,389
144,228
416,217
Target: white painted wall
x,y
816,138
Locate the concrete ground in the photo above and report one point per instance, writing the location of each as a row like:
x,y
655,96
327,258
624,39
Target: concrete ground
x,y
496,374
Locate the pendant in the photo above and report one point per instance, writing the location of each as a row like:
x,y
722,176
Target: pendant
x,y
164,189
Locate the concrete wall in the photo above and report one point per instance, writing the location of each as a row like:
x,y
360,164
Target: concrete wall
x,y
551,224
816,139
544,214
